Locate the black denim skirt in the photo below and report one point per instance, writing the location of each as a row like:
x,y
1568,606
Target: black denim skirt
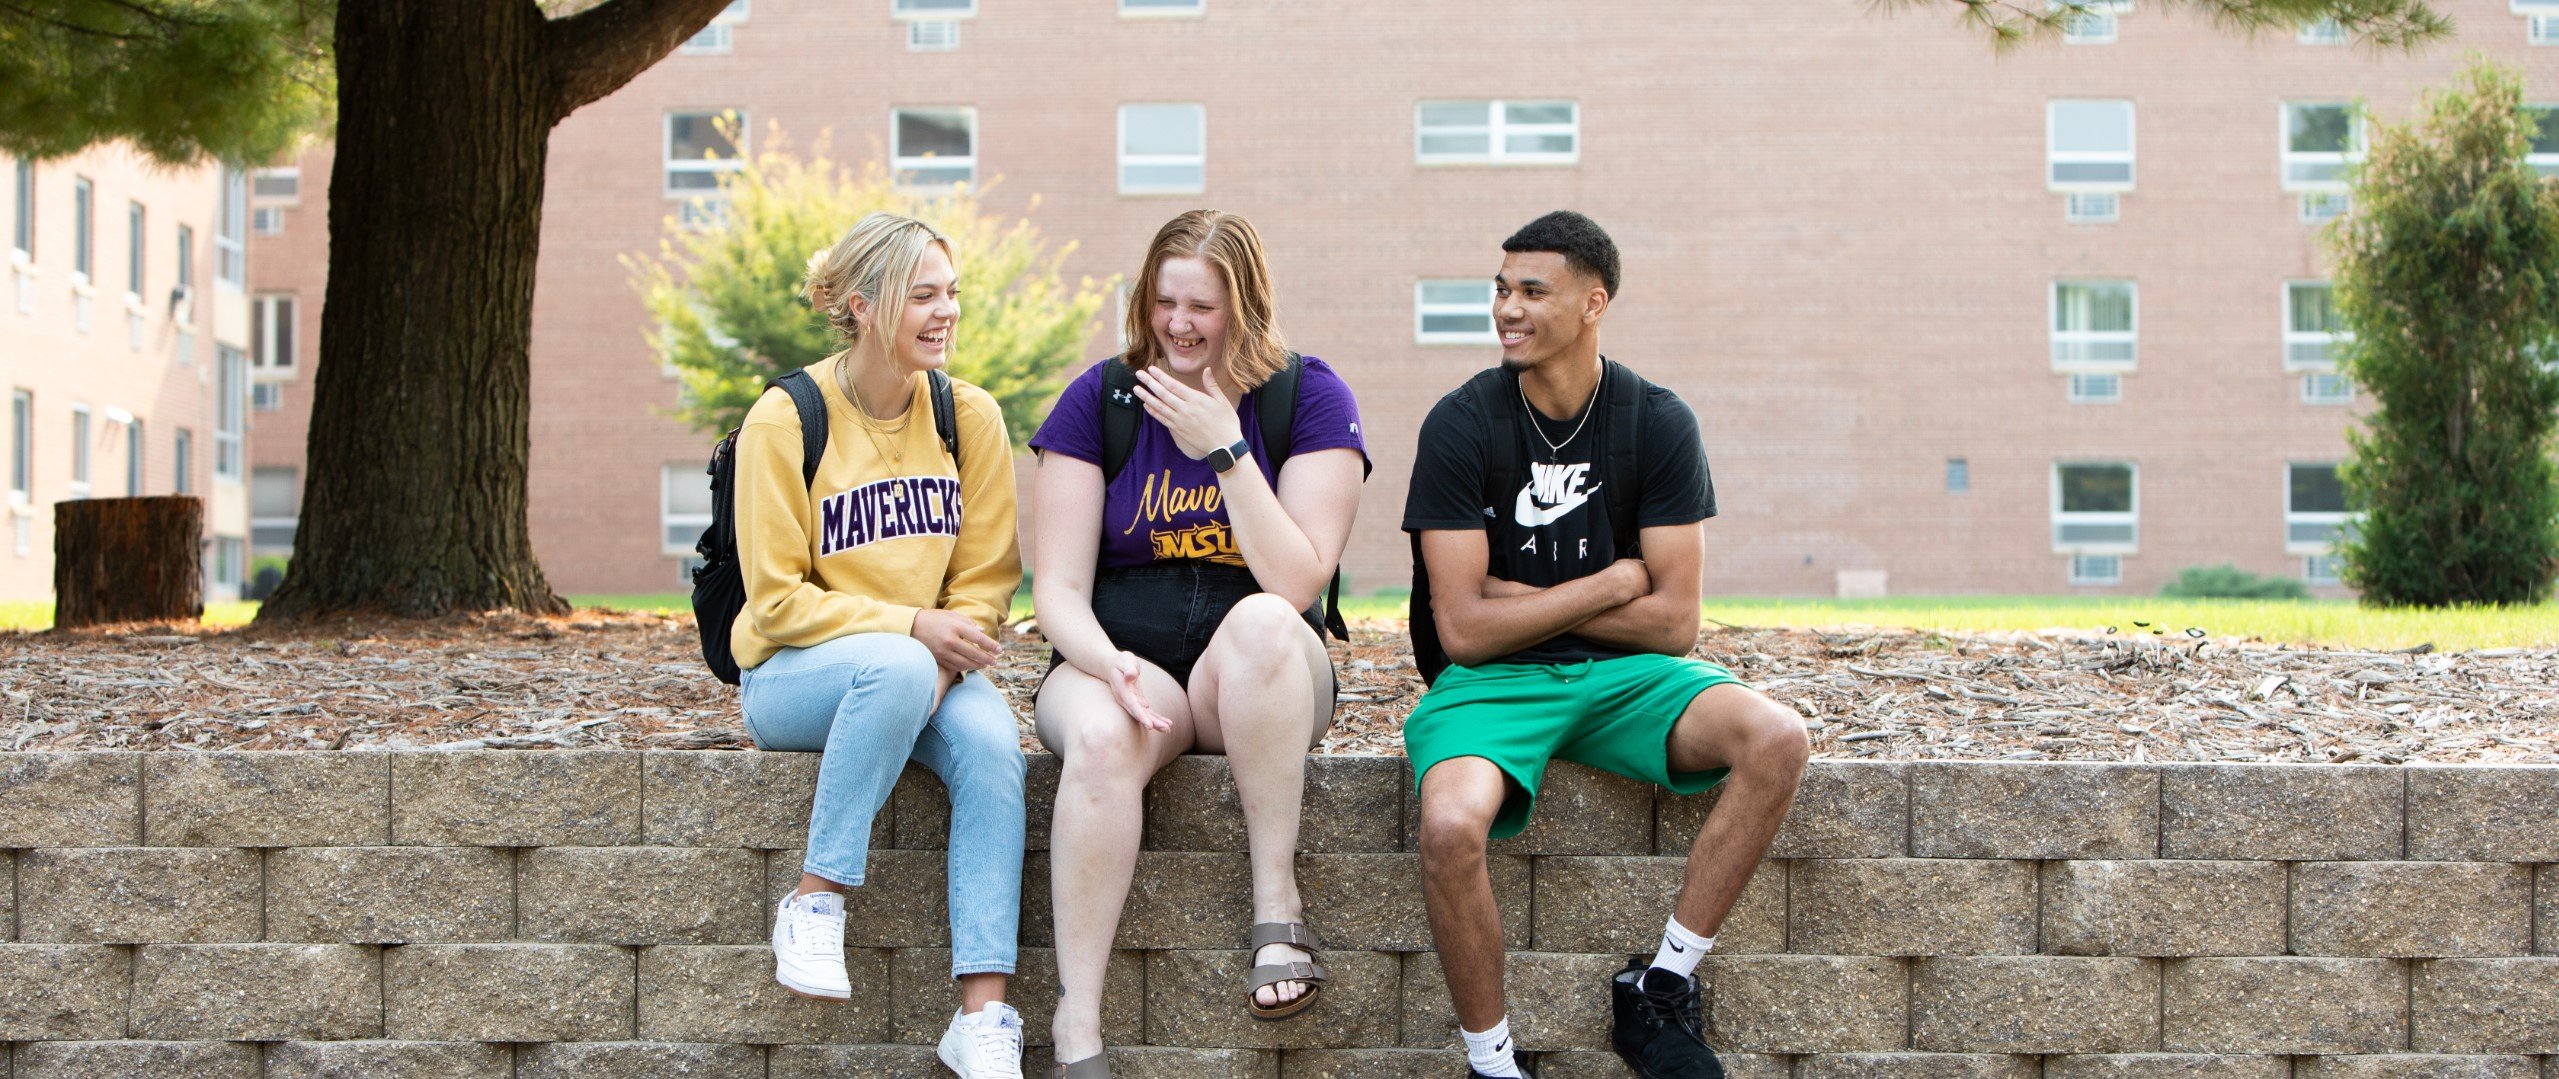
x,y
1165,612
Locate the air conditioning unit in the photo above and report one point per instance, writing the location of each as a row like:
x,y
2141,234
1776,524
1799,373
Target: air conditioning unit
x,y
2097,569
2092,208
2089,28
2321,207
267,221
2086,389
2323,32
715,38
932,35
2325,389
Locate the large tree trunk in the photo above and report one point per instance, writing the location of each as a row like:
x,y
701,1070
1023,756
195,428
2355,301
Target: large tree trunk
x,y
415,497
128,560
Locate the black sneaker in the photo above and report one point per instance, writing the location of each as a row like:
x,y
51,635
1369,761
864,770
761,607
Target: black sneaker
x,y
1658,1032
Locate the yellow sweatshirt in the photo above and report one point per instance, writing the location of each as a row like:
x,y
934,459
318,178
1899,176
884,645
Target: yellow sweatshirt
x,y
878,536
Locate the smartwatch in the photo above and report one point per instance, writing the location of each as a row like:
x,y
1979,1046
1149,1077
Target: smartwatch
x,y
1224,457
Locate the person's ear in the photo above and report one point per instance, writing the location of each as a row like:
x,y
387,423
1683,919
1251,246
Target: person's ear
x,y
1594,304
860,309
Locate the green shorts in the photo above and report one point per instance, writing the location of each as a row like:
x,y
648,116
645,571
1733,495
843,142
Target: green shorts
x,y
1615,715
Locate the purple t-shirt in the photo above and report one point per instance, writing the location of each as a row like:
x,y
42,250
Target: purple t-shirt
x,y
1165,506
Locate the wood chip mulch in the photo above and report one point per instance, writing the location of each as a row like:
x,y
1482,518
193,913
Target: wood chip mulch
x,y
605,679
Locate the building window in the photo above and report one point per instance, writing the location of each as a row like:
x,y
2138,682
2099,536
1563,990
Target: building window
x,y
276,185
265,396
2322,32
2320,139
717,36
266,221
79,451
1145,8
1959,475
182,458
2327,389
182,299
2544,157
1453,312
2093,325
275,508
2094,25
230,227
136,231
84,229
226,556
2312,326
2316,515
2323,569
2094,389
22,447
932,9
933,147
271,326
1163,149
684,507
230,410
2088,145
2542,30
2096,569
22,229
1497,132
700,148
2096,507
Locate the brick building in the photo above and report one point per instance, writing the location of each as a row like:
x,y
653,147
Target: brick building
x,y
1950,327
124,351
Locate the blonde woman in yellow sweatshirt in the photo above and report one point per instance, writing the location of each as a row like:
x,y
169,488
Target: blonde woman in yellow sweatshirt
x,y
873,596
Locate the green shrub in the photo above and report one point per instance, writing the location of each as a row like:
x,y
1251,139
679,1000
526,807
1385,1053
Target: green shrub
x,y
2227,581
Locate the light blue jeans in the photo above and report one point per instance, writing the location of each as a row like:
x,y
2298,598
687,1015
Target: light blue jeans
x,y
866,702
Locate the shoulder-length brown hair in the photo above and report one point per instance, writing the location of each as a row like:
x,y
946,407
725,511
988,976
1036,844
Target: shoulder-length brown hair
x,y
1254,351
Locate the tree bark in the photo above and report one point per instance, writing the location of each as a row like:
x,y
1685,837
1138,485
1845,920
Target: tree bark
x,y
128,560
414,502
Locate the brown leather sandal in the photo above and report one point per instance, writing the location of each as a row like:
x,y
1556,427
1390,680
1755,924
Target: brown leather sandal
x,y
1263,977
1097,1066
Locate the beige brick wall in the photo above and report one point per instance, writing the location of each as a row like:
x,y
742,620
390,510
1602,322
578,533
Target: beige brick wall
x,y
1838,246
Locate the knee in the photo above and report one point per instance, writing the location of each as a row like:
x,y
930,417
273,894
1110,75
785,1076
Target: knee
x,y
1453,835
903,661
1775,742
1103,750
1261,621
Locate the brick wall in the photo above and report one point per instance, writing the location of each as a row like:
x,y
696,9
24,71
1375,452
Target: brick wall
x,y
602,914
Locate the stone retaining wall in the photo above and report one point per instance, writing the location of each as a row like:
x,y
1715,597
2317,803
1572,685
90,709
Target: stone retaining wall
x,y
603,914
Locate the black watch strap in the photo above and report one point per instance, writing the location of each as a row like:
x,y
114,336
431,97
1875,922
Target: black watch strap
x,y
1224,457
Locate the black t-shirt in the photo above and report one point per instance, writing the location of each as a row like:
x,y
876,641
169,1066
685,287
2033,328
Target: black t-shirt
x,y
1556,527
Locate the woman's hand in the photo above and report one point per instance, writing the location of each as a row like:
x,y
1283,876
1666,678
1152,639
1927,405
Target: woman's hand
x,y
955,641
1123,682
1200,421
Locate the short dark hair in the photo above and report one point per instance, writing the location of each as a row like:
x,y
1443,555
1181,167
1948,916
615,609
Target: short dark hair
x,y
1585,246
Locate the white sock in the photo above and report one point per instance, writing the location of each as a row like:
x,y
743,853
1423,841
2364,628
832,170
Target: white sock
x,y
1490,1051
1681,949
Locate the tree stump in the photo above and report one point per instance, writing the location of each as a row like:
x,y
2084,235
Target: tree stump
x,y
128,560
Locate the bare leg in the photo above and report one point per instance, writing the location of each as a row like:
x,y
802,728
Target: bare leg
x,y
811,882
979,990
1733,726
1105,760
1460,796
1262,694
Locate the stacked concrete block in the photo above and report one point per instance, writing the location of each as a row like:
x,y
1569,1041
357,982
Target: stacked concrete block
x,y
603,914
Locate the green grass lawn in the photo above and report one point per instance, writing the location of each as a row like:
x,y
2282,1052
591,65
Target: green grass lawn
x,y
2338,623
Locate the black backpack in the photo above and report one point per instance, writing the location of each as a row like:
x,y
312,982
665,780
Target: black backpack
x,y
1120,414
1496,396
719,589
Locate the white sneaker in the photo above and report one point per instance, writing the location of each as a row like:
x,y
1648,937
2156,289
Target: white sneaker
x,y
808,946
987,1045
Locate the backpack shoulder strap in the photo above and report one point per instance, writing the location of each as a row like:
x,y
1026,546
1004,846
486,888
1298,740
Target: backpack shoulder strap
x,y
1496,394
1624,391
1119,416
812,405
1275,407
946,413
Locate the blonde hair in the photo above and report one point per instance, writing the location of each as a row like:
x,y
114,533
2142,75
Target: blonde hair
x,y
1254,351
876,261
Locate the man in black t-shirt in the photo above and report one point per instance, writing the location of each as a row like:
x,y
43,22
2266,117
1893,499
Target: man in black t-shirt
x,y
1567,606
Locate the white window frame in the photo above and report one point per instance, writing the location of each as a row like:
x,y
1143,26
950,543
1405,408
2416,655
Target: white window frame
x,y
2096,388
2335,522
182,298
669,165
1189,9
292,523
182,459
2323,570
22,213
230,414
2541,30
900,163
2546,164
1497,131
2055,156
2295,339
84,231
669,520
899,11
266,395
1128,160
2290,158
137,251
280,172
230,232
22,447
2094,26
2066,341
2309,389
83,457
1424,308
716,36
2533,7
2130,519
2092,207
2084,575
2321,32
266,221
266,310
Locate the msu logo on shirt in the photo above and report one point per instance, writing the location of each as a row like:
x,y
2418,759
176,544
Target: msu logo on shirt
x,y
889,509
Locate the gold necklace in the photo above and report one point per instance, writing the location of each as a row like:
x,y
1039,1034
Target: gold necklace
x,y
893,450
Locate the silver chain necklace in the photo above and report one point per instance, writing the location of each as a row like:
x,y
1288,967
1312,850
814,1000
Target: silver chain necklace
x,y
1555,449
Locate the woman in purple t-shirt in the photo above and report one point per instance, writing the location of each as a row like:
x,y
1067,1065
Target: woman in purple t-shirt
x,y
1172,592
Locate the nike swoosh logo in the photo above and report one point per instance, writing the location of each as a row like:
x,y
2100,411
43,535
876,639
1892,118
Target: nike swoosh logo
x,y
1531,515
1674,946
